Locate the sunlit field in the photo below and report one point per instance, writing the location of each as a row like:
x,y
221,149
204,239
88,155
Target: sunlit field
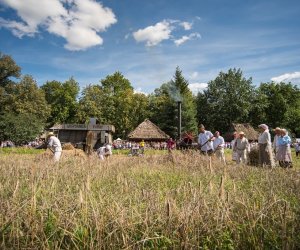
x,y
158,201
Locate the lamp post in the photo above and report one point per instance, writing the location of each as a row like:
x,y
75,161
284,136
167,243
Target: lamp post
x,y
179,119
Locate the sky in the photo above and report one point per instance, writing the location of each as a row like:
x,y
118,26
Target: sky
x,y
146,40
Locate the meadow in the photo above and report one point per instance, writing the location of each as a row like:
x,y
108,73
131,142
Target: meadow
x,y
158,201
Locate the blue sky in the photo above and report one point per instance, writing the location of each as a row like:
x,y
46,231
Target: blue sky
x,y
146,40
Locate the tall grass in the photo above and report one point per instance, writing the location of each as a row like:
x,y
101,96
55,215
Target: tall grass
x,y
180,201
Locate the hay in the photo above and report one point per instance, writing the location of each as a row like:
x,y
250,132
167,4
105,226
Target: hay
x,y
74,153
253,157
68,146
66,154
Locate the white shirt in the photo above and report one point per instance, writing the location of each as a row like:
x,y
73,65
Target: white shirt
x,y
105,150
54,142
203,138
242,144
101,151
108,150
219,142
264,137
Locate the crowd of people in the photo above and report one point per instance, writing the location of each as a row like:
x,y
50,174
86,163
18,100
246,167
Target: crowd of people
x,y
7,143
268,152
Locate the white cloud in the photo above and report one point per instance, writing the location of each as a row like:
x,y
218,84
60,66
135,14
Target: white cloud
x,y
288,77
18,29
138,90
197,87
194,75
153,35
186,25
184,39
78,21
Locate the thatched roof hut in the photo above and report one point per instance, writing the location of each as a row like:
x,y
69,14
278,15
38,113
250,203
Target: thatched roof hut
x,y
147,131
250,133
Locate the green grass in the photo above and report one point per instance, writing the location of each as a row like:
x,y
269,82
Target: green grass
x,y
21,150
151,202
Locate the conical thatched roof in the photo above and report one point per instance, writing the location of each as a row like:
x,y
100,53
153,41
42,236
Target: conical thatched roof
x,y
250,133
148,131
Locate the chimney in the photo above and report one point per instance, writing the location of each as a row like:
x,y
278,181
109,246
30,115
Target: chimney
x,y
93,121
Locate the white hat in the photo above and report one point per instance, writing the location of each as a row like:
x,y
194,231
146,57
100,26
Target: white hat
x,y
50,134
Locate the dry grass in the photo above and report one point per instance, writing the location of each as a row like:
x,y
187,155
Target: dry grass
x,y
158,201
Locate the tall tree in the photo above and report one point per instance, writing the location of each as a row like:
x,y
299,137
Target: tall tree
x,y
164,105
20,128
164,110
117,102
8,69
62,98
229,99
189,108
139,109
28,98
24,111
282,105
90,104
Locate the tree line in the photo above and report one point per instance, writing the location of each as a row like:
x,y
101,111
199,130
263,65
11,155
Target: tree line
x,y
26,109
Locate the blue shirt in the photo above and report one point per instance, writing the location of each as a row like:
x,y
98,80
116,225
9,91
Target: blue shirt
x,y
284,140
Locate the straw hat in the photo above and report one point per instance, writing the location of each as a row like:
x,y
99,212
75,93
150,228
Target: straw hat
x,y
241,133
50,134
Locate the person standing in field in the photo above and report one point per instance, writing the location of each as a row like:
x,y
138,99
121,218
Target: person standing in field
x,y
275,141
55,146
284,155
205,139
265,154
242,148
142,146
233,146
219,144
170,144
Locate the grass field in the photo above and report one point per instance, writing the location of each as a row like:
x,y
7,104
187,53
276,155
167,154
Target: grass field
x,y
158,201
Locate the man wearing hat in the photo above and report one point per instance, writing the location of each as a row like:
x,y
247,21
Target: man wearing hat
x,y
242,148
205,139
55,146
219,144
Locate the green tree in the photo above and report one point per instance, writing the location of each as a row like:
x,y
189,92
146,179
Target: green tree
x,y
258,112
117,103
62,98
164,110
282,105
189,108
27,98
139,109
203,108
19,128
8,69
90,104
24,111
228,99
164,106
